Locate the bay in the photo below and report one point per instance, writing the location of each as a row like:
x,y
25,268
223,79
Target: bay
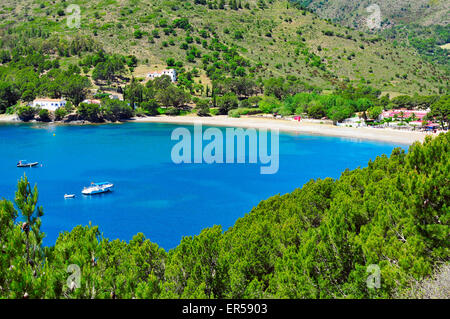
x,y
153,195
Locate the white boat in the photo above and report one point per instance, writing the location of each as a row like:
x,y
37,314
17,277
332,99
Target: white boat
x,y
23,163
69,195
97,188
104,184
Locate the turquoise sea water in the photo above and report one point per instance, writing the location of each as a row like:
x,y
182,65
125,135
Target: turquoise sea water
x,y
152,195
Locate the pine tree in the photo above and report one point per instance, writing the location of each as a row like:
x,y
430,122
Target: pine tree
x,y
26,200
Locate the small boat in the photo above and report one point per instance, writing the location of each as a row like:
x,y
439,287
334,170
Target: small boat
x,y
97,188
23,163
104,184
69,195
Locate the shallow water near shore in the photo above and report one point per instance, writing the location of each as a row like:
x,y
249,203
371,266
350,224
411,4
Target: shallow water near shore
x,y
152,195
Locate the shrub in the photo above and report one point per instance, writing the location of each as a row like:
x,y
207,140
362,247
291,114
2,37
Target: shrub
x,y
150,107
115,110
69,107
244,104
374,112
10,110
60,113
140,112
26,113
44,115
339,113
238,35
227,102
234,113
253,101
268,104
170,62
172,111
89,112
203,107
242,111
182,23
285,111
316,111
299,110
138,34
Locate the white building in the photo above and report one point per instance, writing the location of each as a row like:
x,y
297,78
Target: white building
x,y
49,104
87,101
116,97
170,72
352,122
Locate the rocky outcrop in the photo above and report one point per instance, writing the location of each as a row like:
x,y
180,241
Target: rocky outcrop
x,y
71,117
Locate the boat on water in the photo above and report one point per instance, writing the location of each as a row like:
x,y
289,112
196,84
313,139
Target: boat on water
x,y
104,184
69,195
23,163
97,188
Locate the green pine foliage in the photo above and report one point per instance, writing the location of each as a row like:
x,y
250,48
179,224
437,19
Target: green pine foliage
x,y
315,242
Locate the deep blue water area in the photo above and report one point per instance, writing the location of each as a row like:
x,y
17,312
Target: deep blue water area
x,y
153,195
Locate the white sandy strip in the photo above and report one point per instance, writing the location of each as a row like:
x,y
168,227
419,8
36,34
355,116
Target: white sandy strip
x,y
385,135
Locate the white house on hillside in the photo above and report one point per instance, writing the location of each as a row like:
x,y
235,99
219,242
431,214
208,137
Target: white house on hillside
x,y
49,104
170,72
116,97
87,101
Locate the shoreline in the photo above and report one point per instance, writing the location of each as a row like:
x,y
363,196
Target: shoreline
x,y
287,126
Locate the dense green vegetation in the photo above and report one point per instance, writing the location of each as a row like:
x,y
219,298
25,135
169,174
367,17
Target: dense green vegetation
x,y
262,56
238,58
28,75
427,41
210,40
315,242
420,24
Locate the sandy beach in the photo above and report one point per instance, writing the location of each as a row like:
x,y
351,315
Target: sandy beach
x,y
376,134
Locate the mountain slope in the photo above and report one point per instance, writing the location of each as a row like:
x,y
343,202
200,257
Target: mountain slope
x,y
273,39
419,24
353,12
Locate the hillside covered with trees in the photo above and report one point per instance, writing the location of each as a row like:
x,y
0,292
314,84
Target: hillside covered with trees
x,y
420,24
210,40
316,242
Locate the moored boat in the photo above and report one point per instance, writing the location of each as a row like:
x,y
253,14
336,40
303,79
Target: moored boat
x,y
104,184
23,163
97,188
